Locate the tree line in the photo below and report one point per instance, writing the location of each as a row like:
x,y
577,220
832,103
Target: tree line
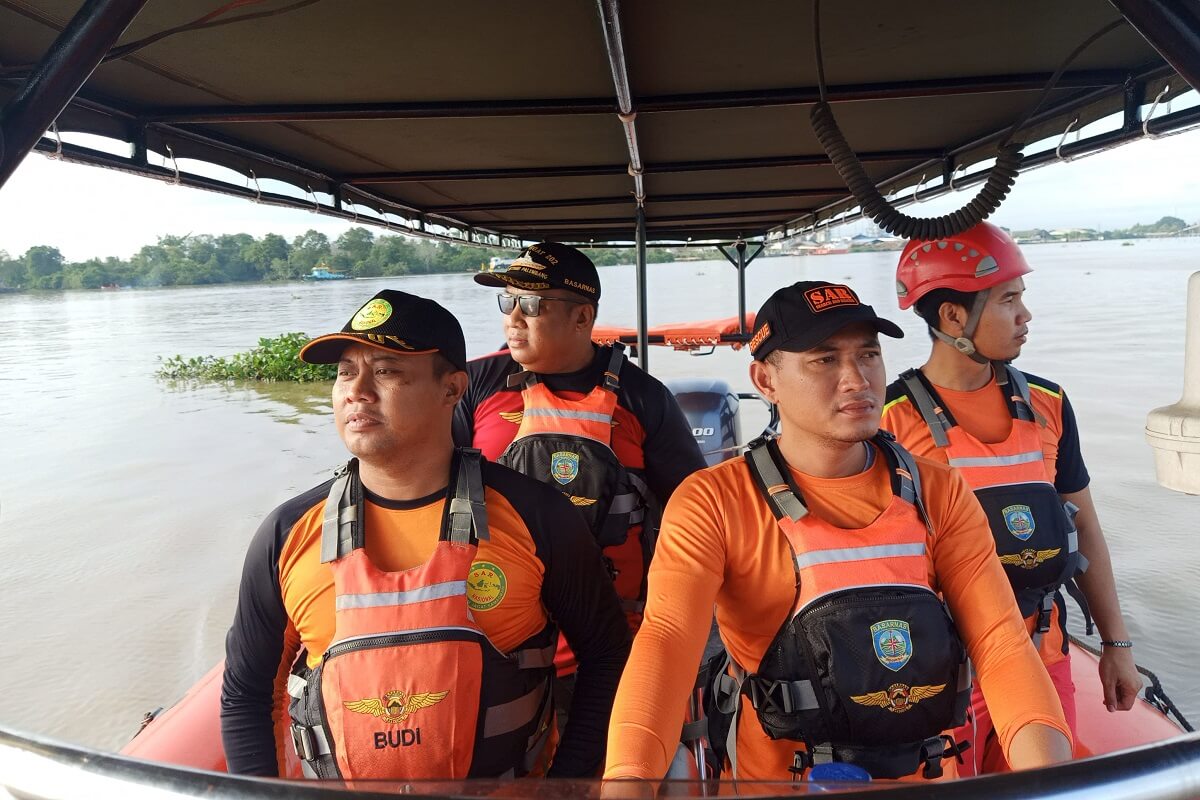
x,y
200,259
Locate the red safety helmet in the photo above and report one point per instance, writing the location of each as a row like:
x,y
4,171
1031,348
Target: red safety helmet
x,y
978,258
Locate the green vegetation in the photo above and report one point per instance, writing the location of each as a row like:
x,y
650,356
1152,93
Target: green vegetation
x,y
275,359
236,258
1166,226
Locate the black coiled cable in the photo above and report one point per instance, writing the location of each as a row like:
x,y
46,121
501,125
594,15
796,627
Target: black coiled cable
x,y
1000,180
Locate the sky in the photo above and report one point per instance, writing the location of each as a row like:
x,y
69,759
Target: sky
x,y
91,212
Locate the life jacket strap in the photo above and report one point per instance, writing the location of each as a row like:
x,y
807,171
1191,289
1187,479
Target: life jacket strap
x,y
782,499
524,379
535,657
468,523
1077,595
908,478
780,697
612,375
933,414
508,717
343,509
1005,374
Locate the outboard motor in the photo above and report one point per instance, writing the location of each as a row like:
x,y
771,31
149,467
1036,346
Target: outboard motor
x,y
712,410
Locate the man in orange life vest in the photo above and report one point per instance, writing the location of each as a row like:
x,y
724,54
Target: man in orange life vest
x,y
560,409
1014,437
831,555
410,607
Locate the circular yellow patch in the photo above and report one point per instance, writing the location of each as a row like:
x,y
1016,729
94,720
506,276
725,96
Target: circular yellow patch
x,y
486,586
372,315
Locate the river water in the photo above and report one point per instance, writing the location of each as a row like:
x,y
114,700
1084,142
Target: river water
x,y
126,504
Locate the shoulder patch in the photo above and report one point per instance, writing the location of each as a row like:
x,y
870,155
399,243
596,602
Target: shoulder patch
x,y
1042,385
894,393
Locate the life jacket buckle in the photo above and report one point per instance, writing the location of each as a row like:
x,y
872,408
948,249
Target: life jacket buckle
x,y
802,762
763,695
1043,617
302,741
933,750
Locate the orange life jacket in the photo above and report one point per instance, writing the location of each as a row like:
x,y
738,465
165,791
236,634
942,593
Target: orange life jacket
x,y
410,687
1034,529
568,444
868,668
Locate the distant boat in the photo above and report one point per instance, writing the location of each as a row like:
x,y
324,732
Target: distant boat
x,y
496,263
325,274
827,250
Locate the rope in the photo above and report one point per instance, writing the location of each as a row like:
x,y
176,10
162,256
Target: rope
x,y
1000,180
1156,695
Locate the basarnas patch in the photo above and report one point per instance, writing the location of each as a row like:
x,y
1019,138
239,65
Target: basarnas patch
x,y
1019,521
564,466
893,643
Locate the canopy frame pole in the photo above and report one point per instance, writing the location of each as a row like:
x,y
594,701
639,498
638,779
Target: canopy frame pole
x,y
740,262
610,18
643,323
1171,28
66,65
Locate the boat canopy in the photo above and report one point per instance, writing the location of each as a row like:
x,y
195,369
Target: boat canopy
x,y
497,123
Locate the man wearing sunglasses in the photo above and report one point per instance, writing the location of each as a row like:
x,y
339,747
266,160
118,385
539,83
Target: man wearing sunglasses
x,y
577,416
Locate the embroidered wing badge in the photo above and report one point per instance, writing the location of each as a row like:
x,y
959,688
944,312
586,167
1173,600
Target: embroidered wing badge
x,y
395,706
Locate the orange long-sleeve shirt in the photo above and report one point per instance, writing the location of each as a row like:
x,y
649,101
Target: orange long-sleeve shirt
x,y
720,544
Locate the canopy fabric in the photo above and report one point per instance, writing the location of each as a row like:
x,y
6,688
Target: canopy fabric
x,y
497,122
682,335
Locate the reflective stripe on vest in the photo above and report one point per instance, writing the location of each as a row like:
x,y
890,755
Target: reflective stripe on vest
x,y
843,554
377,599
1033,456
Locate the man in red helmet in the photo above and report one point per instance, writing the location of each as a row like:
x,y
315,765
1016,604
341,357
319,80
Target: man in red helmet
x,y
1014,438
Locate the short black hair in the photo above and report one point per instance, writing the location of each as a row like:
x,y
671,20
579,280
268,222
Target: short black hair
x,y
927,307
442,366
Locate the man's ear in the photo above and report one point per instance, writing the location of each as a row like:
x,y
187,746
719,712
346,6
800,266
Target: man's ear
x,y
763,376
585,316
953,318
455,384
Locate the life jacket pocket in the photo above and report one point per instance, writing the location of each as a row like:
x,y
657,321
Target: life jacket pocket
x,y
883,668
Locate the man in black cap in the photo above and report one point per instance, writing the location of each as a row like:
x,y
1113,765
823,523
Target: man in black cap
x,y
828,553
577,416
416,597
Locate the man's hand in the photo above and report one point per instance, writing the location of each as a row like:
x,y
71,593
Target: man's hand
x,y
1120,678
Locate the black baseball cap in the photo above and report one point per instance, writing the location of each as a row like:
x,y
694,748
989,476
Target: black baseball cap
x,y
801,316
548,265
395,321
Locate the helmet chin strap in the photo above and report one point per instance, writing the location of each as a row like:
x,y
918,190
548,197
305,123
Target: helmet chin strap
x,y
963,344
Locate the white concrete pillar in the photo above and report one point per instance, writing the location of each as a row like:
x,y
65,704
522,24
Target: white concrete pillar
x,y
1174,431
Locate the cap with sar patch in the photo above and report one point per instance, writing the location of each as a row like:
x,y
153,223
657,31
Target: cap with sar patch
x,y
548,265
396,321
801,316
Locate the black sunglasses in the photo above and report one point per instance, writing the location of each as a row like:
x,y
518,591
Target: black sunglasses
x,y
531,304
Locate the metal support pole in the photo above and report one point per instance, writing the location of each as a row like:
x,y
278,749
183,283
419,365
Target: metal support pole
x,y
741,270
1172,28
643,323
740,263
72,57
